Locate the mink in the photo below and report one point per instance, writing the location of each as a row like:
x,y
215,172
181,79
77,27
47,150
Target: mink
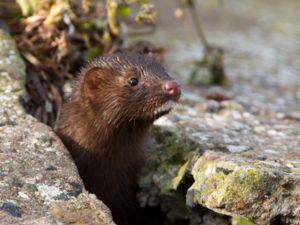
x,y
105,123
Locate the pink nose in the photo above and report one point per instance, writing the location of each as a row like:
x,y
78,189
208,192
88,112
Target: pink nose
x,y
172,88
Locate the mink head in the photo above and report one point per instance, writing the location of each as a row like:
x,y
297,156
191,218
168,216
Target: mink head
x,y
128,87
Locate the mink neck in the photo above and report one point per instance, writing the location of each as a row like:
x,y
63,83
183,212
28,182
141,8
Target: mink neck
x,y
105,136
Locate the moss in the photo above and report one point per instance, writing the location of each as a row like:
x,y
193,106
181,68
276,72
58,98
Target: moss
x,y
213,189
167,172
176,180
241,221
31,188
295,171
171,144
174,161
241,183
223,183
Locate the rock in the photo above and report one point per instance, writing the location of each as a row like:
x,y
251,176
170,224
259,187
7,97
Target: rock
x,y
222,160
237,149
38,180
238,186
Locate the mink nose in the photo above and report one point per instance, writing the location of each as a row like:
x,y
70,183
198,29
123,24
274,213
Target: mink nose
x,y
172,88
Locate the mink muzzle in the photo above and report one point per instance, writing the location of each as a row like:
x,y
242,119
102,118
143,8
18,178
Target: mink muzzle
x,y
106,122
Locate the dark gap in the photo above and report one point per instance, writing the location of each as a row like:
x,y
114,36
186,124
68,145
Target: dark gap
x,y
277,220
186,183
152,216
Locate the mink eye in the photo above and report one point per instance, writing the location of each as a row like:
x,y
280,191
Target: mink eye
x,y
133,81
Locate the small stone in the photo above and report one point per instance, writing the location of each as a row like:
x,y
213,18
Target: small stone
x,y
164,122
49,192
48,107
92,196
212,106
23,195
67,89
232,105
259,129
76,189
293,116
280,116
2,174
247,115
236,115
237,149
12,209
62,196
261,157
272,132
238,126
272,151
51,168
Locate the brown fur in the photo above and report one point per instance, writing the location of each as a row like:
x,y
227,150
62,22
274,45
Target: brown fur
x,y
106,122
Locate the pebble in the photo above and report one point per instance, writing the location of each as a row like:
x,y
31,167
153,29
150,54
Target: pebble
x,y
272,132
261,157
48,192
272,151
237,149
164,122
259,129
76,189
212,106
23,195
12,209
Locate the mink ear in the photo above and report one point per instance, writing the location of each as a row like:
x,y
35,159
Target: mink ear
x,y
92,79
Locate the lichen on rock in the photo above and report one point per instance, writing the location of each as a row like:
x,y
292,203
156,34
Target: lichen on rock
x,y
213,159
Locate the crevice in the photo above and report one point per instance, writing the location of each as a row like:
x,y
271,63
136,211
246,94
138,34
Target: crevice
x,y
186,183
277,220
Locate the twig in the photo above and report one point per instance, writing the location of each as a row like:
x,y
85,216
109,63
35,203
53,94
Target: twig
x,y
198,25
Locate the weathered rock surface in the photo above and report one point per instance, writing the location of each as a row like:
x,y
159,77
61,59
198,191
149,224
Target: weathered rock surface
x,y
38,181
235,159
228,160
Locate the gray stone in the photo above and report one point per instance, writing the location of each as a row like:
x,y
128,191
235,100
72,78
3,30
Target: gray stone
x,y
39,182
12,209
230,161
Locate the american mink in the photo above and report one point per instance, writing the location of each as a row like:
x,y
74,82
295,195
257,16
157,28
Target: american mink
x,y
106,122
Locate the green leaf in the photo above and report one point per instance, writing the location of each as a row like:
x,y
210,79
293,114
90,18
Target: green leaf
x,y
123,11
91,53
96,23
193,76
242,221
26,7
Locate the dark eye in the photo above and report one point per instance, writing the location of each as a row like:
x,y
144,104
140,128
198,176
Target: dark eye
x,y
133,81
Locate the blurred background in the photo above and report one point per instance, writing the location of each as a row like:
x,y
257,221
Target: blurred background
x,y
221,49
260,41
